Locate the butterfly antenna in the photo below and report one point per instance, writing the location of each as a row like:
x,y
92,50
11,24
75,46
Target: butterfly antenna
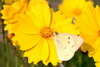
x,y
56,33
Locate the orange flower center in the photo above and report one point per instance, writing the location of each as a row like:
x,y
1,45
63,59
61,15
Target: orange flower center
x,y
98,33
47,32
77,11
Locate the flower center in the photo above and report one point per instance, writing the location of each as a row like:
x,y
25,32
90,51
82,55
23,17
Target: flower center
x,y
98,33
77,11
47,32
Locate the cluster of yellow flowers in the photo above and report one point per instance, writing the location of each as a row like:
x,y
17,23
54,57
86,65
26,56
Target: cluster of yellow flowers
x,y
33,24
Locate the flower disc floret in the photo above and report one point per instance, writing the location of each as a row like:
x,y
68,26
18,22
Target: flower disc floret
x,y
47,32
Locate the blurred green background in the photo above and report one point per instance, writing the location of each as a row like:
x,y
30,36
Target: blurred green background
x,y
8,58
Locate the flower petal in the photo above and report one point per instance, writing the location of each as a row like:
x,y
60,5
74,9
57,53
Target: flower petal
x,y
53,58
38,52
27,26
26,41
41,12
97,9
45,50
47,14
95,54
11,27
37,11
9,11
34,54
97,64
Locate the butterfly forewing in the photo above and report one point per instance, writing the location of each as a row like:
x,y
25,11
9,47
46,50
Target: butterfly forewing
x,y
63,51
67,45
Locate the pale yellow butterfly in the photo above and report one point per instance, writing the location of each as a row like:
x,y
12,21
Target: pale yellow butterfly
x,y
66,45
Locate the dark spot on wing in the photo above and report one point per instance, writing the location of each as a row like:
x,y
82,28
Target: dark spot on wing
x,y
66,54
68,42
68,37
72,46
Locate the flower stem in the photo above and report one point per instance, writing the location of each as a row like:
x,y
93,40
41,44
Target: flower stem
x,y
3,55
7,54
17,53
16,61
5,48
3,36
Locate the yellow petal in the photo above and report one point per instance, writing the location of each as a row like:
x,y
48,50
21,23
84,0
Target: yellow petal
x,y
53,58
47,14
9,11
95,54
90,44
76,7
97,9
9,1
97,64
45,50
89,38
88,19
11,27
41,11
4,11
85,24
34,19
37,11
91,16
38,52
34,54
27,26
26,41
68,27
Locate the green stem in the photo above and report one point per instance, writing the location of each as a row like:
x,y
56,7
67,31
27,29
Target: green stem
x,y
3,55
7,54
16,61
3,44
21,65
5,47
17,53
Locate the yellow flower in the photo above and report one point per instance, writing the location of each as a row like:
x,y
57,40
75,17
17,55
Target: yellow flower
x,y
89,25
9,1
97,64
10,14
36,31
73,8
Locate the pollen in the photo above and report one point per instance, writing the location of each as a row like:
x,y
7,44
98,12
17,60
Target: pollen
x,y
47,32
77,11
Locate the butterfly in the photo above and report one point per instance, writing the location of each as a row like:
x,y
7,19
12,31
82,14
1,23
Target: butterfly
x,y
66,45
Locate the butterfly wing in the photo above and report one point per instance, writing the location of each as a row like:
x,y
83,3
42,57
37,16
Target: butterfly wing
x,y
77,41
67,45
64,52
